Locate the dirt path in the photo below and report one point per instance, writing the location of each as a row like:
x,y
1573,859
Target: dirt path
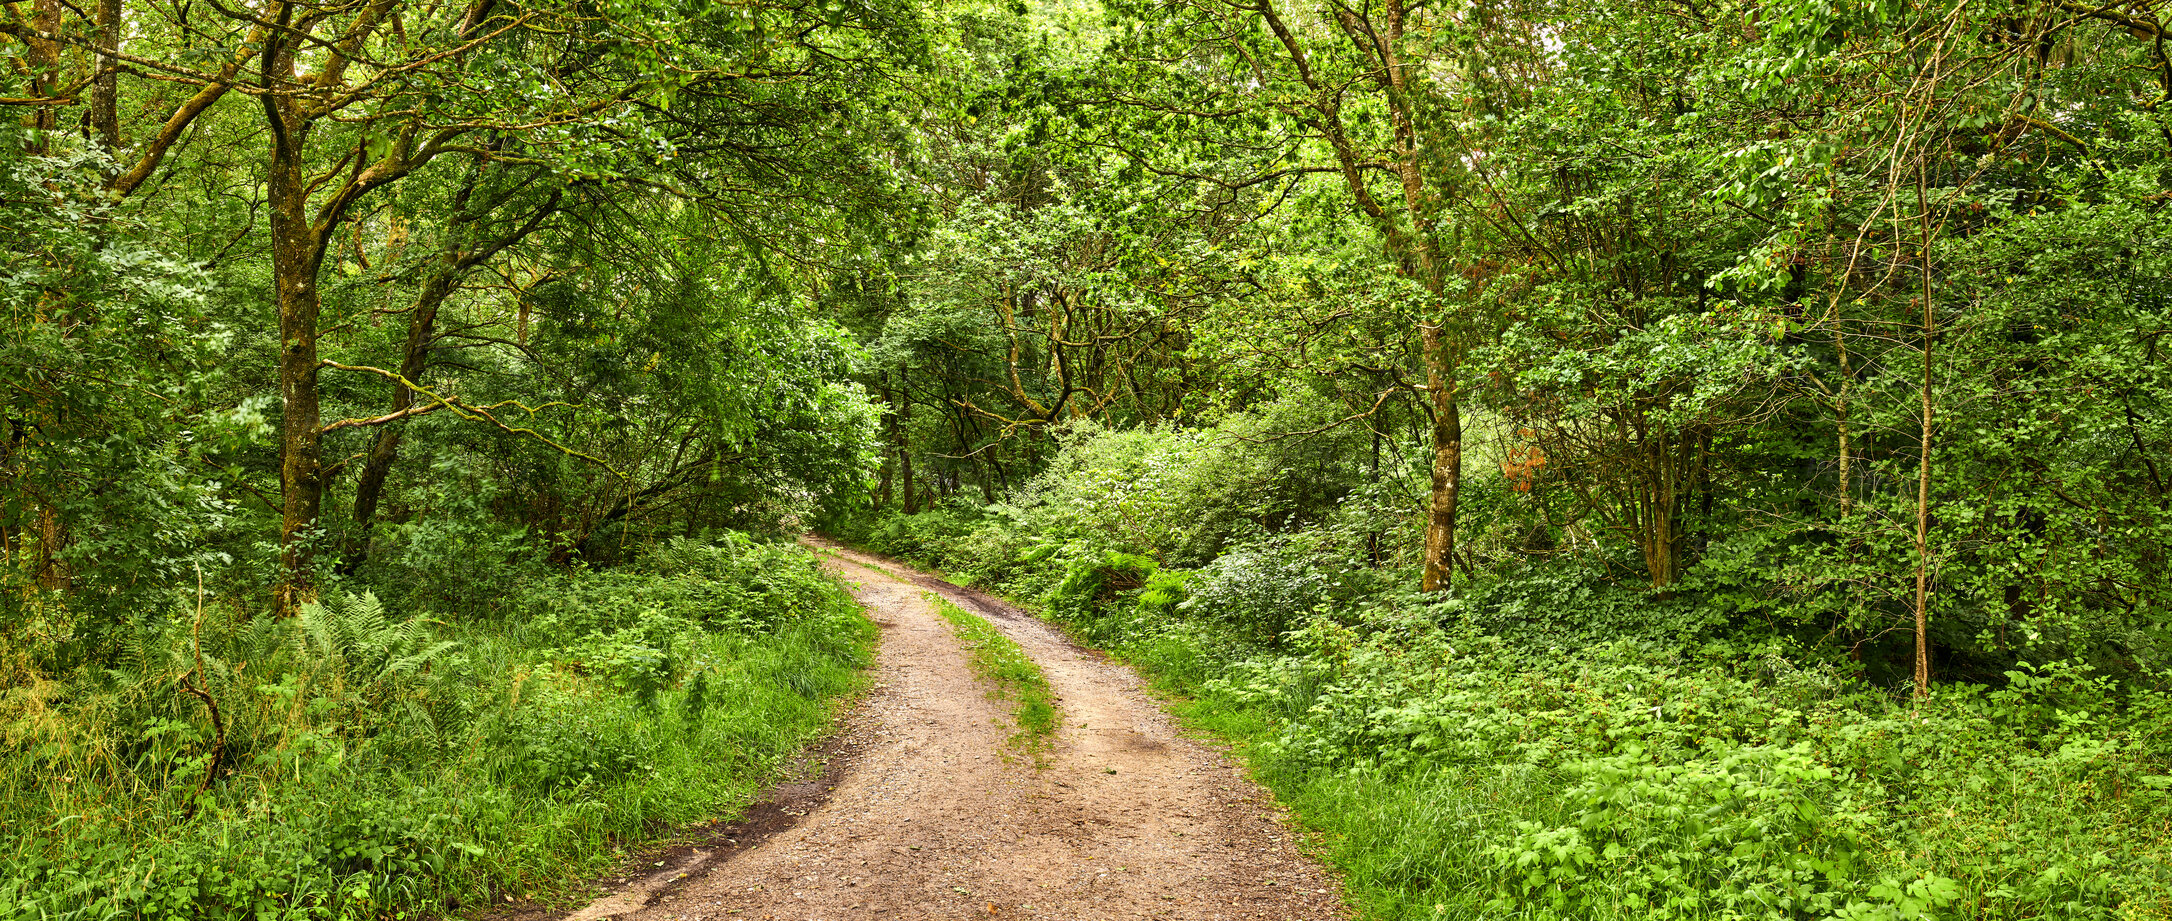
x,y
935,819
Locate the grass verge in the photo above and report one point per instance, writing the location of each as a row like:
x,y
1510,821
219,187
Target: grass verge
x,y
1011,675
368,766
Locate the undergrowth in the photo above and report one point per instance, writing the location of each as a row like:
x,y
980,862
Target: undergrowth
x,y
1011,675
1532,749
1454,776
365,764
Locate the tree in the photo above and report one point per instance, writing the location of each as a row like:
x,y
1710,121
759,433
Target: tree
x,y
1392,99
507,113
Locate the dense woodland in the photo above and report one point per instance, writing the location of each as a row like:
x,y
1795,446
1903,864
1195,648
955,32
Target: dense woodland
x,y
1639,458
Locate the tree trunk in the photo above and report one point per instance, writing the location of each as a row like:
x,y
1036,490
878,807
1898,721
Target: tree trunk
x,y
994,454
1440,523
1662,541
1846,434
905,454
11,473
894,452
1923,469
905,475
1703,538
43,58
52,539
300,483
1372,474
105,118
297,250
1669,480
1923,518
369,487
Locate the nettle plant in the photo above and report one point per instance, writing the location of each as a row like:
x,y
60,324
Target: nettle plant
x,y
1754,832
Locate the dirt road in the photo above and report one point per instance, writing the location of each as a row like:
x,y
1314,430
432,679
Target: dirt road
x,y
933,818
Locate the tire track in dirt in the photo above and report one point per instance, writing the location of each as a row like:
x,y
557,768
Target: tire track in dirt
x,y
936,819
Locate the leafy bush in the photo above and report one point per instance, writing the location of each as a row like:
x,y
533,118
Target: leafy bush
x,y
1569,606
1090,585
1179,496
735,584
638,661
924,539
1266,588
449,551
1165,593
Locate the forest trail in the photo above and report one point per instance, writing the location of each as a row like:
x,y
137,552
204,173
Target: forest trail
x,y
935,818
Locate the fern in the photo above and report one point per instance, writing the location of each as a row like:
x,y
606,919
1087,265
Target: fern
x,y
352,633
146,651
411,664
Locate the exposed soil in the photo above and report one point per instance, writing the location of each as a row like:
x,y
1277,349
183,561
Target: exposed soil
x,y
924,813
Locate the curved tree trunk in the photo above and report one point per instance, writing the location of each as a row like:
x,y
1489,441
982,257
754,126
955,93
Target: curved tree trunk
x,y
369,487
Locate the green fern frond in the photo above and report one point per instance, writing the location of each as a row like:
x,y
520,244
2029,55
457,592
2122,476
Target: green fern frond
x,y
317,635
410,664
366,616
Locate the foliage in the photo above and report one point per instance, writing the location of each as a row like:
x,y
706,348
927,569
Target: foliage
x,y
1458,775
1740,835
1090,584
1570,606
600,320
1715,368
368,765
1552,743
1655,268
1266,588
926,539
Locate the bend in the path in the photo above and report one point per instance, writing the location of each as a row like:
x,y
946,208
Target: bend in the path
x,y
937,819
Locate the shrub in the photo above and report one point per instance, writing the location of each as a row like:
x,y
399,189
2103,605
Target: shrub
x,y
1165,592
1091,585
1571,606
1266,588
925,539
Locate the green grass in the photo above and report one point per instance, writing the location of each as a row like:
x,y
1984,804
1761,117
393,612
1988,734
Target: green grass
x,y
1011,675
530,755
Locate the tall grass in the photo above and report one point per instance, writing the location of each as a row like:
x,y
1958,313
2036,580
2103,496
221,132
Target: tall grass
x,y
374,766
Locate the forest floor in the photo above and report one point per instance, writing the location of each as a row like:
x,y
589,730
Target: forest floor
x,y
925,811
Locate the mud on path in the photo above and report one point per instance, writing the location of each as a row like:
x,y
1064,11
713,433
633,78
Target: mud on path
x,y
935,818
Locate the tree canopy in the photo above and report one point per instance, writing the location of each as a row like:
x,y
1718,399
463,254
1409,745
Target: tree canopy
x,y
1847,315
